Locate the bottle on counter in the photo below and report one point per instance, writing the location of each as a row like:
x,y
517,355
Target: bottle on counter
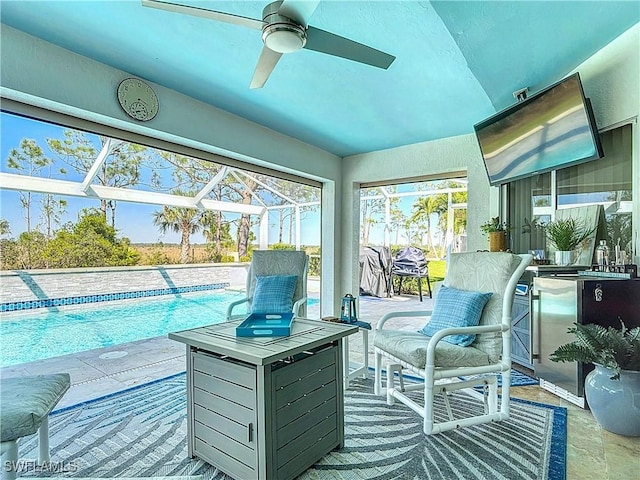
x,y
602,255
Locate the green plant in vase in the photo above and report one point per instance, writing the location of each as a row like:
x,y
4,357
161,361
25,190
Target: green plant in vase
x,y
613,385
615,349
566,234
497,232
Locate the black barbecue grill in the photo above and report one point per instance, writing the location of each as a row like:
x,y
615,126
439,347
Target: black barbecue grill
x,y
411,262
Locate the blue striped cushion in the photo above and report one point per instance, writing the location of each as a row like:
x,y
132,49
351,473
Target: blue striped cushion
x,y
274,294
456,308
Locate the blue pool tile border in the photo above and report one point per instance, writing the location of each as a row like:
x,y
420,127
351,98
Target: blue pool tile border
x,y
106,297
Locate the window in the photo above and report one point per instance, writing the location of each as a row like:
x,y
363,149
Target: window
x,y
53,175
607,182
430,214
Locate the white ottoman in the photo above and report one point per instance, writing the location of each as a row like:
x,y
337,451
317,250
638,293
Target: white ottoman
x,y
25,404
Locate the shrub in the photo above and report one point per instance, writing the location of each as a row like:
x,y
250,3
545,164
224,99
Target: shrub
x,y
282,246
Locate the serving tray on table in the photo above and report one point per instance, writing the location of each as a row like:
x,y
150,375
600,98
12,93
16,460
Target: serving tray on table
x,y
265,325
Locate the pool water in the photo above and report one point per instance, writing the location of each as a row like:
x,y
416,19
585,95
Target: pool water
x,y
26,337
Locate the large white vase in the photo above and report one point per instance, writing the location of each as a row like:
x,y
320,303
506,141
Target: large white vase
x,y
564,258
615,404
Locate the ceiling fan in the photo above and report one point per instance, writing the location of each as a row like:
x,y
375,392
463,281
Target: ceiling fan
x,y
285,30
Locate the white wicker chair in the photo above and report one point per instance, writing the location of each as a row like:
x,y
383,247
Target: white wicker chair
x,y
442,364
277,262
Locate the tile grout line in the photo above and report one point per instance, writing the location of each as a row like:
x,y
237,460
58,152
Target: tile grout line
x,y
109,375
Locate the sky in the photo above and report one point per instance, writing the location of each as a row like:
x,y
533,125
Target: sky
x,y
132,220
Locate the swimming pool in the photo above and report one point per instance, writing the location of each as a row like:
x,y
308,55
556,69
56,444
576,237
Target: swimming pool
x,y
27,337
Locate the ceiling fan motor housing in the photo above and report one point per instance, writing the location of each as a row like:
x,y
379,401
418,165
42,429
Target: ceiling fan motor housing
x,y
280,33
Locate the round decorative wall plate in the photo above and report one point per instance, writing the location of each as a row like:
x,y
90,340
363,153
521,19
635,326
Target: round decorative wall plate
x,y
137,99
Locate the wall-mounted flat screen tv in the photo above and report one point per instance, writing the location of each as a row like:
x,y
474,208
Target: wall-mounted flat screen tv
x,y
552,129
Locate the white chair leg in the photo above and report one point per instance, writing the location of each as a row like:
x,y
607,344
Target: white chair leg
x,y
43,441
390,384
377,375
9,459
493,395
391,381
427,425
397,368
505,394
365,348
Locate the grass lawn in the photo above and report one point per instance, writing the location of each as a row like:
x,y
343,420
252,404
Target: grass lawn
x,y
436,270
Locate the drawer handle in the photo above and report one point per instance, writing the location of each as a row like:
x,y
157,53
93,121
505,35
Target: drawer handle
x,y
249,432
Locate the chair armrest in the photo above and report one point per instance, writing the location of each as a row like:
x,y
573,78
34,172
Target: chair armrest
x,y
297,306
445,332
412,313
232,305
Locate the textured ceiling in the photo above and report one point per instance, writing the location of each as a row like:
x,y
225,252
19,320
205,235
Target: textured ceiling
x,y
457,62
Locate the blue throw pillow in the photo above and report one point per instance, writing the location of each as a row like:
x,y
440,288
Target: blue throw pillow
x,y
456,308
274,294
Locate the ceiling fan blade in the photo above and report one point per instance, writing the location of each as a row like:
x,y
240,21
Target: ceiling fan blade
x,y
266,64
204,13
325,42
298,10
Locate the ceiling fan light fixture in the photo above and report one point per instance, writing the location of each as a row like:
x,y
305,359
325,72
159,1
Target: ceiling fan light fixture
x,y
284,38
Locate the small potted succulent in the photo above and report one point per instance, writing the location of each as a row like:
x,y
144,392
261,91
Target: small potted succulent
x,y
567,234
497,232
613,385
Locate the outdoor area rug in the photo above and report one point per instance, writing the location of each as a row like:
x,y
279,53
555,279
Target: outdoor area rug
x,y
141,432
519,379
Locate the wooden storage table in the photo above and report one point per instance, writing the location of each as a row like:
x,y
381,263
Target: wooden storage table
x,y
266,407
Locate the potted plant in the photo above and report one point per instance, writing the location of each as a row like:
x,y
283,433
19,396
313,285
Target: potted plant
x,y
497,232
566,234
612,389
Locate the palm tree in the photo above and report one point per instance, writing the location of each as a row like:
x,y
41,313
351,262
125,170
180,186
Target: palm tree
x,y
215,232
459,216
423,208
185,221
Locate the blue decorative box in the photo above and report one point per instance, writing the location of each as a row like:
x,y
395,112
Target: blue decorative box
x,y
265,325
